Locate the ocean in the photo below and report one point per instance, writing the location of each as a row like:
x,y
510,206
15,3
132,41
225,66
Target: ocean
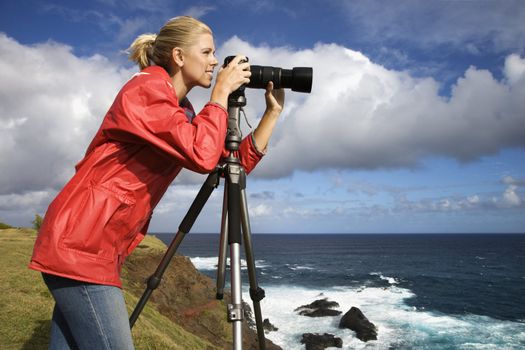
x,y
422,291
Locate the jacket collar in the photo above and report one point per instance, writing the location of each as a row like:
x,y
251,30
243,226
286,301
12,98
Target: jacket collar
x,y
157,70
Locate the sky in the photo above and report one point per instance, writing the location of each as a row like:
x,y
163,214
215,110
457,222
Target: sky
x,y
415,122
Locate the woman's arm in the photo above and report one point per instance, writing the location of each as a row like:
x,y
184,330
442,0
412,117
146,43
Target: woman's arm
x,y
274,107
253,147
146,111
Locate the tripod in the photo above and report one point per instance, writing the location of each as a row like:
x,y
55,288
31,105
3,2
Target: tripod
x,y
234,216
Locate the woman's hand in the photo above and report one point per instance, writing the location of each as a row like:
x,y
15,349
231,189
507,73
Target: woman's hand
x,y
274,99
274,107
229,79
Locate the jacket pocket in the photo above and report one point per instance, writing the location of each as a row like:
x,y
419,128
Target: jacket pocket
x,y
101,219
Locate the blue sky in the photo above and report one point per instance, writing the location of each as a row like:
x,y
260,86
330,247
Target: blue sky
x,y
415,124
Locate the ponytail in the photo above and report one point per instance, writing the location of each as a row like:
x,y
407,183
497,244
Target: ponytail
x,y
141,50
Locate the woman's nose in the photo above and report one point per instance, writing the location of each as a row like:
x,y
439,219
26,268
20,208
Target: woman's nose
x,y
214,61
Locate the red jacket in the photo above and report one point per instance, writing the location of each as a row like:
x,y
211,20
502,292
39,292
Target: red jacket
x,y
103,212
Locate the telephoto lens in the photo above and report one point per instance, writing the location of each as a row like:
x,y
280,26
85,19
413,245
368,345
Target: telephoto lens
x,y
298,79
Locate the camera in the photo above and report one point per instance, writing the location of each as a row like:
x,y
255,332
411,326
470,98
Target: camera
x,y
298,79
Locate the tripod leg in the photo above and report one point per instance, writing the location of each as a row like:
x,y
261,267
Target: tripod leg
x,y
198,203
256,293
155,279
235,309
223,247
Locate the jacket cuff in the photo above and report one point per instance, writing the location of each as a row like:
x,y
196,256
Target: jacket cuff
x,y
257,150
217,105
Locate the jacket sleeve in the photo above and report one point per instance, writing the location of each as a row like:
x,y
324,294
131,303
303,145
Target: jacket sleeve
x,y
148,112
248,153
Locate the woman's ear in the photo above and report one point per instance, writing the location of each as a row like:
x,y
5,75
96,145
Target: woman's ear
x,y
178,56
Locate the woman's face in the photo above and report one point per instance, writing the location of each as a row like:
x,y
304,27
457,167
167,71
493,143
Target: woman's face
x,y
199,62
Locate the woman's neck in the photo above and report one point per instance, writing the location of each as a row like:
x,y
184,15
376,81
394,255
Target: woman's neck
x,y
181,89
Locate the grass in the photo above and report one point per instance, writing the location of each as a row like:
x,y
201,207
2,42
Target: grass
x,y
26,304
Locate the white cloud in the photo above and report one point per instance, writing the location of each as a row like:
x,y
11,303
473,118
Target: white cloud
x,y
301,212
199,11
51,104
473,200
121,29
361,115
260,210
34,199
509,180
514,69
176,197
474,26
358,116
128,28
510,198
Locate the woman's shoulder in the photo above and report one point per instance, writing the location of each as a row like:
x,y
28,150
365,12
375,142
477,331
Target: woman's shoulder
x,y
149,75
151,80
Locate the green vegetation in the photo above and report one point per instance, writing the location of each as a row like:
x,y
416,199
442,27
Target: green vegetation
x,y
3,226
37,222
26,303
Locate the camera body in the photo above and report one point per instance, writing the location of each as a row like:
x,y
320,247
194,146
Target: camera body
x,y
297,79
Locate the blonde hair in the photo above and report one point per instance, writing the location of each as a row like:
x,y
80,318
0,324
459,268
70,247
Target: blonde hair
x,y
149,49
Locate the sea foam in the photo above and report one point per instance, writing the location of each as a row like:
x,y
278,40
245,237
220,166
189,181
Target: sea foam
x,y
399,326
210,263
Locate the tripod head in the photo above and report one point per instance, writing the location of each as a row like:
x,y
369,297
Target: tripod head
x,y
236,101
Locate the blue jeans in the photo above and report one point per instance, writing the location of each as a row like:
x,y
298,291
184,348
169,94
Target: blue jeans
x,y
87,316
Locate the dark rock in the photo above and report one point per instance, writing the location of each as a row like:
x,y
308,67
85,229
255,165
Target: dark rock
x,y
320,304
319,308
248,315
356,321
268,327
320,313
320,341
250,320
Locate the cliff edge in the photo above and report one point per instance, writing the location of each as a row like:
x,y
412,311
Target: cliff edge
x,y
181,314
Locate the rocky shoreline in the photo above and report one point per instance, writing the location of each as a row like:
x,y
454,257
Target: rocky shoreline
x,y
353,319
188,298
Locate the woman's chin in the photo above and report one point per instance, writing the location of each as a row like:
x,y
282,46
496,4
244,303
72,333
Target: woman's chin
x,y
205,83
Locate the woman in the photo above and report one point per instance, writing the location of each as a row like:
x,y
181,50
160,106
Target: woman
x,y
149,133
